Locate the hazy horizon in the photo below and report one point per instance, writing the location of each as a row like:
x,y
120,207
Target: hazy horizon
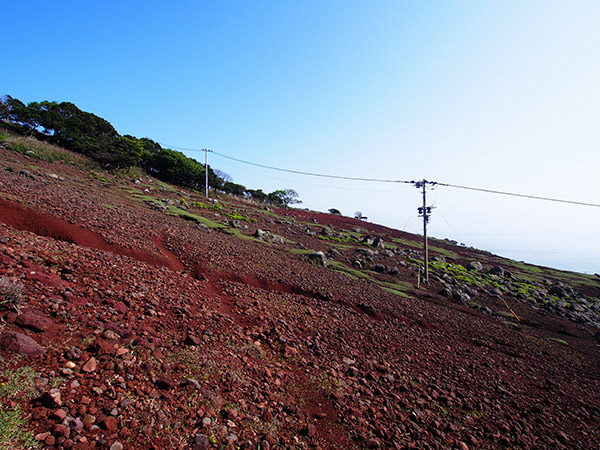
x,y
494,95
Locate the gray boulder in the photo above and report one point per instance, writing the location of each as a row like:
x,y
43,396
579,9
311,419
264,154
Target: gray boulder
x,y
326,231
378,243
260,234
318,258
203,227
496,270
381,268
475,265
277,240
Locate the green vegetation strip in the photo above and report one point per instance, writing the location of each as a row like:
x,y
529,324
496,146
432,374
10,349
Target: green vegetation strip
x,y
19,385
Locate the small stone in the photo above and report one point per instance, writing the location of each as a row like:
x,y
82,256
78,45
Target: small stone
x,y
89,420
372,443
39,413
192,340
60,414
463,446
200,442
120,307
74,353
310,430
116,446
61,430
55,396
110,423
193,383
110,334
41,436
50,441
90,365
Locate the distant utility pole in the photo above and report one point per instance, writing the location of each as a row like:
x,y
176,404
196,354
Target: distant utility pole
x,y
206,170
424,212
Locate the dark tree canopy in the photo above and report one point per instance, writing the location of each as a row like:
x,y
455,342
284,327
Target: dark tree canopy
x,y
284,197
65,125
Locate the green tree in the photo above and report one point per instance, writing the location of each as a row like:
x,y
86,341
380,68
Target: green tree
x,y
284,197
257,194
234,188
174,167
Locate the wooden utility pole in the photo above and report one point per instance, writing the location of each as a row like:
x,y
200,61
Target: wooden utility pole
x,y
425,246
206,172
424,211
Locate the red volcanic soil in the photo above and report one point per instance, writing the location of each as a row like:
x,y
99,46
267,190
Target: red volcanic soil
x,y
138,329
45,225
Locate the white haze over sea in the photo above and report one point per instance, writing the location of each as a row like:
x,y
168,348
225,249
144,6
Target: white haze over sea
x,y
577,253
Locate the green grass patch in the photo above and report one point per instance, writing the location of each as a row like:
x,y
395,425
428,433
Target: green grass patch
x,y
348,271
17,385
12,430
176,211
300,251
46,152
393,291
407,243
212,206
398,288
166,187
237,216
146,198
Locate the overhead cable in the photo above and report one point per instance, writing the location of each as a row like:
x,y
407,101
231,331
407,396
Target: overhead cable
x,y
298,172
535,197
418,183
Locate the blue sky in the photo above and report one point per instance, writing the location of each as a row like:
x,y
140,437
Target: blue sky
x,y
500,95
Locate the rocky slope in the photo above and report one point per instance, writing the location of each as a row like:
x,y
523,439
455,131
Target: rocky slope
x,y
136,315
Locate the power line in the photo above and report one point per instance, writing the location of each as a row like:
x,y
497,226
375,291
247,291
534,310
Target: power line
x,y
534,197
298,172
310,184
378,180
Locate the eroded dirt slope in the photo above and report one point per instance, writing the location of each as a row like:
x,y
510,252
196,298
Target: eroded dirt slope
x,y
152,318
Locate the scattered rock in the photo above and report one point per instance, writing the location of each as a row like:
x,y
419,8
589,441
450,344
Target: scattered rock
x,y
203,227
277,240
116,446
381,268
19,343
34,320
475,266
326,231
26,173
497,270
260,234
90,365
318,258
378,243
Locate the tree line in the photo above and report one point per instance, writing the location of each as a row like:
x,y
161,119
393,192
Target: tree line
x,y
67,126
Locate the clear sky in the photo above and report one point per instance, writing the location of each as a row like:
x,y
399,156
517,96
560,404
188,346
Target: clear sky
x,y
500,95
